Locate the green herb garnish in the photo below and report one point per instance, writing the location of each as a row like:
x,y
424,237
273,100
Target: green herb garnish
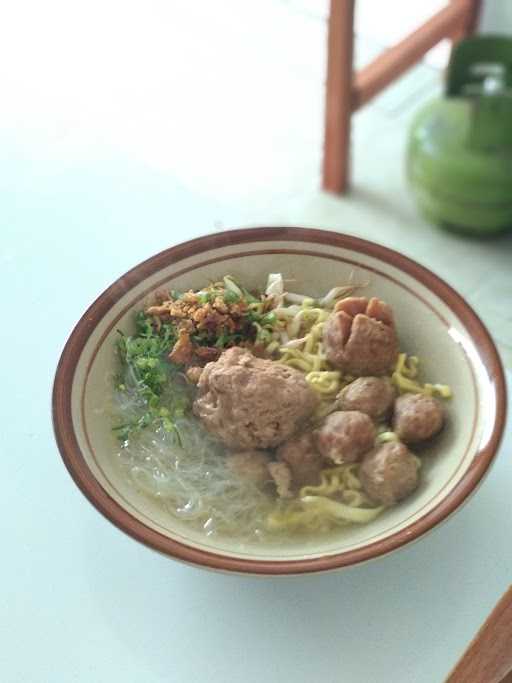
x,y
148,376
231,297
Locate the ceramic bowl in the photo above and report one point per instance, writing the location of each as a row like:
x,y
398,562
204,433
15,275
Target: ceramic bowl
x,y
433,321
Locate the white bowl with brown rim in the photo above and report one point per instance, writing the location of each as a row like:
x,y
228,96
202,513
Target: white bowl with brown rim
x,y
433,321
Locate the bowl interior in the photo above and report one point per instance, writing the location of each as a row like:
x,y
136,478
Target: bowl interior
x,y
427,327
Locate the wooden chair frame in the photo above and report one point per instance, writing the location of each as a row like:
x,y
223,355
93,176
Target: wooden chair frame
x,y
347,91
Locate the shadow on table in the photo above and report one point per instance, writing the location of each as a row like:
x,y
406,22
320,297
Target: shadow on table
x,y
404,213
384,204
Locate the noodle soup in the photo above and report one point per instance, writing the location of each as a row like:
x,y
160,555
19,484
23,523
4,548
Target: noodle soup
x,y
258,414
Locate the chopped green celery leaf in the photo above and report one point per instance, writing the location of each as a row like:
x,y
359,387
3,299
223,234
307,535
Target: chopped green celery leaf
x,y
153,401
120,428
168,424
147,371
223,339
146,363
269,318
143,324
231,297
249,297
209,295
266,319
253,316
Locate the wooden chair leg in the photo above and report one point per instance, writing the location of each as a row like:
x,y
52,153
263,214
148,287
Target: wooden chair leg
x,y
338,101
346,91
470,23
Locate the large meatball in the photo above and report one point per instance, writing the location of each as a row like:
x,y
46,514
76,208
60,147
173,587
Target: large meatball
x,y
371,395
345,436
389,473
417,417
360,337
250,465
250,402
303,459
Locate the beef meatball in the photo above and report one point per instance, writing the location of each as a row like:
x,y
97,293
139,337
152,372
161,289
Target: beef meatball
x,y
345,436
371,395
417,417
251,465
389,473
252,403
303,459
360,337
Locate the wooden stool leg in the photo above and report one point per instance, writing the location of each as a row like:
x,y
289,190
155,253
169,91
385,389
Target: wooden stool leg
x,y
338,101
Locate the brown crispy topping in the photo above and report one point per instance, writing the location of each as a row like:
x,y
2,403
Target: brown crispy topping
x,y
190,298
215,318
220,305
183,350
162,309
207,353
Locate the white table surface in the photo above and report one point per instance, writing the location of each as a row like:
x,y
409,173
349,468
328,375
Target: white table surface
x,y
82,602
95,177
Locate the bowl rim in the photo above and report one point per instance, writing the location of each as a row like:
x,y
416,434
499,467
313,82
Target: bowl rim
x,y
85,480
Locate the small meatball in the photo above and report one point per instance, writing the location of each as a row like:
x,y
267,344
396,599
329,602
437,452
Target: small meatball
x,y
417,417
251,465
303,459
360,337
371,395
249,402
280,473
389,473
345,436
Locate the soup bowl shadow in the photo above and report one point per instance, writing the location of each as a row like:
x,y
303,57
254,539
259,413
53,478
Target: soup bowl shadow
x,y
433,322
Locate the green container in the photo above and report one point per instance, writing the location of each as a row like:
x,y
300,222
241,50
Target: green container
x,y
459,156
